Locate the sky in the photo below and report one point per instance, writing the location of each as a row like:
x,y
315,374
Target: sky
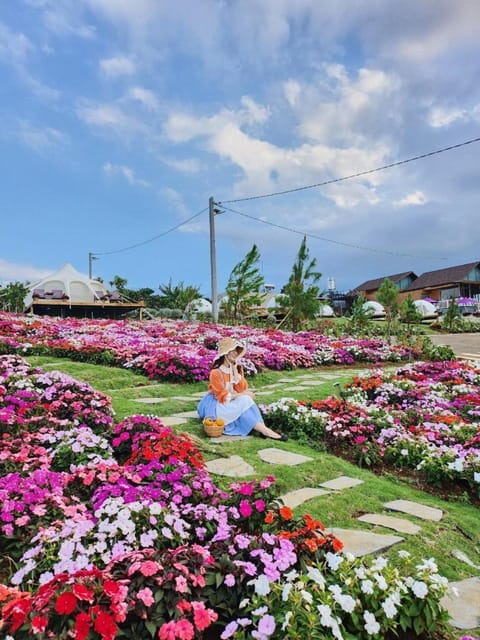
x,y
119,119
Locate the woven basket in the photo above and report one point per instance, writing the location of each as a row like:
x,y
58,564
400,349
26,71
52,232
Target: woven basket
x,y
213,430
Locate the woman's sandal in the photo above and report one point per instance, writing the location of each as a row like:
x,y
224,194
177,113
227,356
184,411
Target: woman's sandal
x,y
283,438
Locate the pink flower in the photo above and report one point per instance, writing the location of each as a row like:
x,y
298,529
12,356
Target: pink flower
x,y
260,505
167,631
184,630
149,568
181,584
245,508
146,596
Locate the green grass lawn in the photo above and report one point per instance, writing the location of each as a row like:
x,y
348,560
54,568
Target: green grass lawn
x,y
459,528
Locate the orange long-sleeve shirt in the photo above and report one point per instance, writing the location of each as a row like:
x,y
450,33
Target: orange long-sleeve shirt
x,y
219,381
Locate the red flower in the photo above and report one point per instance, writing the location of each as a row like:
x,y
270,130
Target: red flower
x,y
269,518
83,593
105,626
66,603
82,626
39,624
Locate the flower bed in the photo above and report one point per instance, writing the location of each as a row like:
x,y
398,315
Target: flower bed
x,y
425,417
152,547
183,351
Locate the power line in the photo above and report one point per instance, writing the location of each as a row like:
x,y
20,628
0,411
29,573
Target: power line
x,y
311,235
356,175
159,235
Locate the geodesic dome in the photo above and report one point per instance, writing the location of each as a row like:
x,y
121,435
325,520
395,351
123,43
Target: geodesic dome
x,y
326,311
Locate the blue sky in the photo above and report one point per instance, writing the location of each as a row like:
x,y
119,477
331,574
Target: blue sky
x,y
120,118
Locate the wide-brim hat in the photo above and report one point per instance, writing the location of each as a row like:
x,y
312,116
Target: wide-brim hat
x,y
225,345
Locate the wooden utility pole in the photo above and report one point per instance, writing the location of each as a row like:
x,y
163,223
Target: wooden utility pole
x,y
213,259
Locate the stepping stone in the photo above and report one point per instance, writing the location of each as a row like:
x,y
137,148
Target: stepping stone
x,y
222,439
263,393
342,482
362,543
186,414
464,609
172,421
185,398
295,498
232,467
199,394
297,388
311,383
459,555
397,524
273,386
415,509
279,456
150,400
332,376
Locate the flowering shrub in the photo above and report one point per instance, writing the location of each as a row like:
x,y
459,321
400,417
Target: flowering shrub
x,y
147,548
345,598
182,351
423,417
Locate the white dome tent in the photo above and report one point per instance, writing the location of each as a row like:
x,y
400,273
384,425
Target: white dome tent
x,y
67,284
376,308
67,292
425,309
326,311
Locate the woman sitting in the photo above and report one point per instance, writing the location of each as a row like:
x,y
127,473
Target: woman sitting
x,y
228,395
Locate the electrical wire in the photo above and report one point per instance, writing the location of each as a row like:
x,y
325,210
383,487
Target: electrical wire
x,y
159,235
355,175
311,235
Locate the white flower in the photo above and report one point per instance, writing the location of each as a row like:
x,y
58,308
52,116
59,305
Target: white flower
x,y
315,574
288,615
379,563
307,596
389,608
333,560
403,554
367,586
371,625
382,583
262,585
476,476
429,564
286,591
420,589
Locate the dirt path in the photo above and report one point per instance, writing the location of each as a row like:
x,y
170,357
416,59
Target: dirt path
x,y
461,343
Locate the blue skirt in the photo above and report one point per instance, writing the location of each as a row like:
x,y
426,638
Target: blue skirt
x,y
207,408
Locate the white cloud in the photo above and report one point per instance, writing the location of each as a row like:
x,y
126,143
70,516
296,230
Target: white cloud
x,y
254,113
63,18
143,96
12,272
109,117
416,198
442,116
292,90
187,165
40,139
14,47
117,66
125,172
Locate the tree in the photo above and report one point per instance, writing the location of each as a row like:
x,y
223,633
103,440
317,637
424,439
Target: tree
x,y
12,296
118,283
409,312
300,294
387,295
244,284
452,315
360,315
177,296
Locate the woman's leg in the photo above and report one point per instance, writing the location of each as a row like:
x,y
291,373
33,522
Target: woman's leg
x,y
262,428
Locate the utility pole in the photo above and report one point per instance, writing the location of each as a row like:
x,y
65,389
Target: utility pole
x,y
213,259
91,258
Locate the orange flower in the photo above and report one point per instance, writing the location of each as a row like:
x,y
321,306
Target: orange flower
x,y
269,517
311,545
286,513
337,545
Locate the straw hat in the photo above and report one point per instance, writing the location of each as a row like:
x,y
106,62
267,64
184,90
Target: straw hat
x,y
225,345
